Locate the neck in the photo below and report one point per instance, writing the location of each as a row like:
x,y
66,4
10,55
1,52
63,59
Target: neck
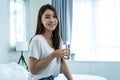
x,y
47,35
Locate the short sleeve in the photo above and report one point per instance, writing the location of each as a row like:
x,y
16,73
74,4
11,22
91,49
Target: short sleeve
x,y
34,48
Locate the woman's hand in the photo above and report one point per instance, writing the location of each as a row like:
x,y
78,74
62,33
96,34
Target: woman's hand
x,y
63,53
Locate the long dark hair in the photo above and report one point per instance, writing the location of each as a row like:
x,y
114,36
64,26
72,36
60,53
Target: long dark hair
x,y
56,38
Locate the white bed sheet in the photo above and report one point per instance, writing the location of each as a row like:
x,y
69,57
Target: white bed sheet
x,y
13,71
81,77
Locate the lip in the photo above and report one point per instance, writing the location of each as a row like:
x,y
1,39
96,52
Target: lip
x,y
51,24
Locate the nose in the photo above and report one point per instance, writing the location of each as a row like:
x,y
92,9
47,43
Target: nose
x,y
51,19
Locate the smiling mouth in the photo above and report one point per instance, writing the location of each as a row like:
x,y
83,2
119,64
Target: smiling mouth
x,y
51,24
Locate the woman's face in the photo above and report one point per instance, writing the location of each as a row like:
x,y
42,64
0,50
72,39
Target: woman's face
x,y
49,20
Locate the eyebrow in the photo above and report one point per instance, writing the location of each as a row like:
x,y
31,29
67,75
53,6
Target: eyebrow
x,y
49,14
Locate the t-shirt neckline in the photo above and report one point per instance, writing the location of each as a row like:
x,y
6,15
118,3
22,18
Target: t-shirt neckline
x,y
46,42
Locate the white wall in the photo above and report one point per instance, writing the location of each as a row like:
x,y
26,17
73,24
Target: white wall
x,y
110,70
4,31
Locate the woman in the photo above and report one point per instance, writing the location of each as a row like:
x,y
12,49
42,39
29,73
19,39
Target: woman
x,y
46,56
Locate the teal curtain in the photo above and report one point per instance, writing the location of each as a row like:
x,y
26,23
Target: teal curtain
x,y
64,9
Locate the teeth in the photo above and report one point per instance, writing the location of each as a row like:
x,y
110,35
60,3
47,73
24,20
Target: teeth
x,y
51,24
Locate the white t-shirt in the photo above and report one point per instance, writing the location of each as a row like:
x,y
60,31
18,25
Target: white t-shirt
x,y
40,49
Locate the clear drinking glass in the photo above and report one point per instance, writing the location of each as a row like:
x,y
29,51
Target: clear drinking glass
x,y
67,46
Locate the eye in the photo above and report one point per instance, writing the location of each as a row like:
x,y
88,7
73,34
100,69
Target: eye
x,y
47,16
54,16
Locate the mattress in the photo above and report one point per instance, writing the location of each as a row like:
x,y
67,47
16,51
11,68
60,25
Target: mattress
x,y
13,71
81,77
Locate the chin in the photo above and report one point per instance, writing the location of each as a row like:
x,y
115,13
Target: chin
x,y
52,29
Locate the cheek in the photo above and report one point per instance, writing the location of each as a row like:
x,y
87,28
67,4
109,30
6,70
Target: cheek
x,y
43,21
56,21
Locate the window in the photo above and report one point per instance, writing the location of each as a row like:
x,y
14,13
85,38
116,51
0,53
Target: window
x,y
96,25
17,22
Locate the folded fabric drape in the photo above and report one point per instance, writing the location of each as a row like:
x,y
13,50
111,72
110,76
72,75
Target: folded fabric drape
x,y
64,8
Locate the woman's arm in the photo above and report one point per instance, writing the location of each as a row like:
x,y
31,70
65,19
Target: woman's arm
x,y
37,65
65,70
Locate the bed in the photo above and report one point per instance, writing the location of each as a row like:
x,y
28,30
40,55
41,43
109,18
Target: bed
x,y
82,77
13,71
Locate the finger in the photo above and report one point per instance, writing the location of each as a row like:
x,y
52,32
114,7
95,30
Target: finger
x,y
67,50
66,57
67,53
64,53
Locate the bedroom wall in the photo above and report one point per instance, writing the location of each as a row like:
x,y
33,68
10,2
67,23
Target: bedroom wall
x,y
4,31
110,70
